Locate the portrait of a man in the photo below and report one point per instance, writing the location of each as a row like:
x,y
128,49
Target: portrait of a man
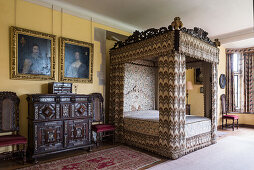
x,y
32,54
76,58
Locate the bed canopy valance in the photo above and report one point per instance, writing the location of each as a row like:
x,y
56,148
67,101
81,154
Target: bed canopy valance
x,y
172,49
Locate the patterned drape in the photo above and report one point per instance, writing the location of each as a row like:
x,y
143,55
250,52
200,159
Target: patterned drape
x,y
249,80
230,83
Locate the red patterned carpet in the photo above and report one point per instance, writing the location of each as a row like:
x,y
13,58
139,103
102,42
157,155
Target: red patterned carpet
x,y
120,157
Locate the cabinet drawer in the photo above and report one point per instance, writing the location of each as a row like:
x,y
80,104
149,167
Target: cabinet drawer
x,y
48,136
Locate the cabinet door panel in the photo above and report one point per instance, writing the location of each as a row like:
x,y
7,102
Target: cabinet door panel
x,y
48,136
77,132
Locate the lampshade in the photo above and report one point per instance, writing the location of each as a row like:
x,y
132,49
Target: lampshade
x,y
189,85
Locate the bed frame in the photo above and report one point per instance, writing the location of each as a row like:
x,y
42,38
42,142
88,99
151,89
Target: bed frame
x,y
173,48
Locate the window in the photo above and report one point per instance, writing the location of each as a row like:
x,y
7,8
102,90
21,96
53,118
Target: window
x,y
237,71
236,75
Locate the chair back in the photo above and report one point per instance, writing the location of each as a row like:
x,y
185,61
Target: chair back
x,y
98,114
223,104
9,112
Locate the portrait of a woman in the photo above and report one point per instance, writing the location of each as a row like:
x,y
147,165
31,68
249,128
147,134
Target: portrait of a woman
x,y
77,69
76,61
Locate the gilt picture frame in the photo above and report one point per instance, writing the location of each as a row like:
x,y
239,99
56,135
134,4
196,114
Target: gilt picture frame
x,y
76,61
32,54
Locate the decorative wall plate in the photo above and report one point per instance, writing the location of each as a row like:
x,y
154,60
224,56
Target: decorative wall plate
x,y
222,81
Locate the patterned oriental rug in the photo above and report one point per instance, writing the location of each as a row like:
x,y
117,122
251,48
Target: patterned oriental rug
x,y
120,157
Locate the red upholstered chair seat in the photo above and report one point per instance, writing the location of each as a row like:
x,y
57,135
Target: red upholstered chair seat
x,y
12,140
102,128
231,117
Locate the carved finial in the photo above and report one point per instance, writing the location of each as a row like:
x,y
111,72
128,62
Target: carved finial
x,y
217,43
177,23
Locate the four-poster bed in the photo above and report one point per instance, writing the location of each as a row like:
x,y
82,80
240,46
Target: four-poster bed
x,y
147,89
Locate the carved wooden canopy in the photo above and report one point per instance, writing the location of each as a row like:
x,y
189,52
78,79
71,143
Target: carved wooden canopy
x,y
191,42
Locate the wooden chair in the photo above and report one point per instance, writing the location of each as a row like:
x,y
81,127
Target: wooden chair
x,y
225,114
9,122
99,127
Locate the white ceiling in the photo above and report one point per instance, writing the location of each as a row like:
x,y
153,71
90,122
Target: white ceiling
x,y
222,19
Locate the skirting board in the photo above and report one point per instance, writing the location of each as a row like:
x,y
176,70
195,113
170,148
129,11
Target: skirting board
x,y
240,125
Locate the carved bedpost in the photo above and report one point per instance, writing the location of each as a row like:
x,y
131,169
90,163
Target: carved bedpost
x,y
172,105
214,100
116,98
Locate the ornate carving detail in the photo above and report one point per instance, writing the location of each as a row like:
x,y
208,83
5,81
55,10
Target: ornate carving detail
x,y
198,33
149,48
143,35
72,110
177,23
50,99
81,99
65,99
89,109
138,36
82,109
217,42
35,137
57,111
47,111
65,110
36,112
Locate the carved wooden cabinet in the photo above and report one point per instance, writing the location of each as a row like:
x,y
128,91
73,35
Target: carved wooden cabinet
x,y
58,122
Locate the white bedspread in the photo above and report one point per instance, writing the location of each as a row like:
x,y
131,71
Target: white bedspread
x,y
194,125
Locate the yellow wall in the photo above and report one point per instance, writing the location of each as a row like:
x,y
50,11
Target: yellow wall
x,y
196,99
221,70
39,18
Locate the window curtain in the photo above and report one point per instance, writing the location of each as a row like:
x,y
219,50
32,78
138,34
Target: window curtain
x,y
249,81
246,85
230,82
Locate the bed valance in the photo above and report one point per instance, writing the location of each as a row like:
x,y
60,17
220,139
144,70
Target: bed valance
x,y
159,42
